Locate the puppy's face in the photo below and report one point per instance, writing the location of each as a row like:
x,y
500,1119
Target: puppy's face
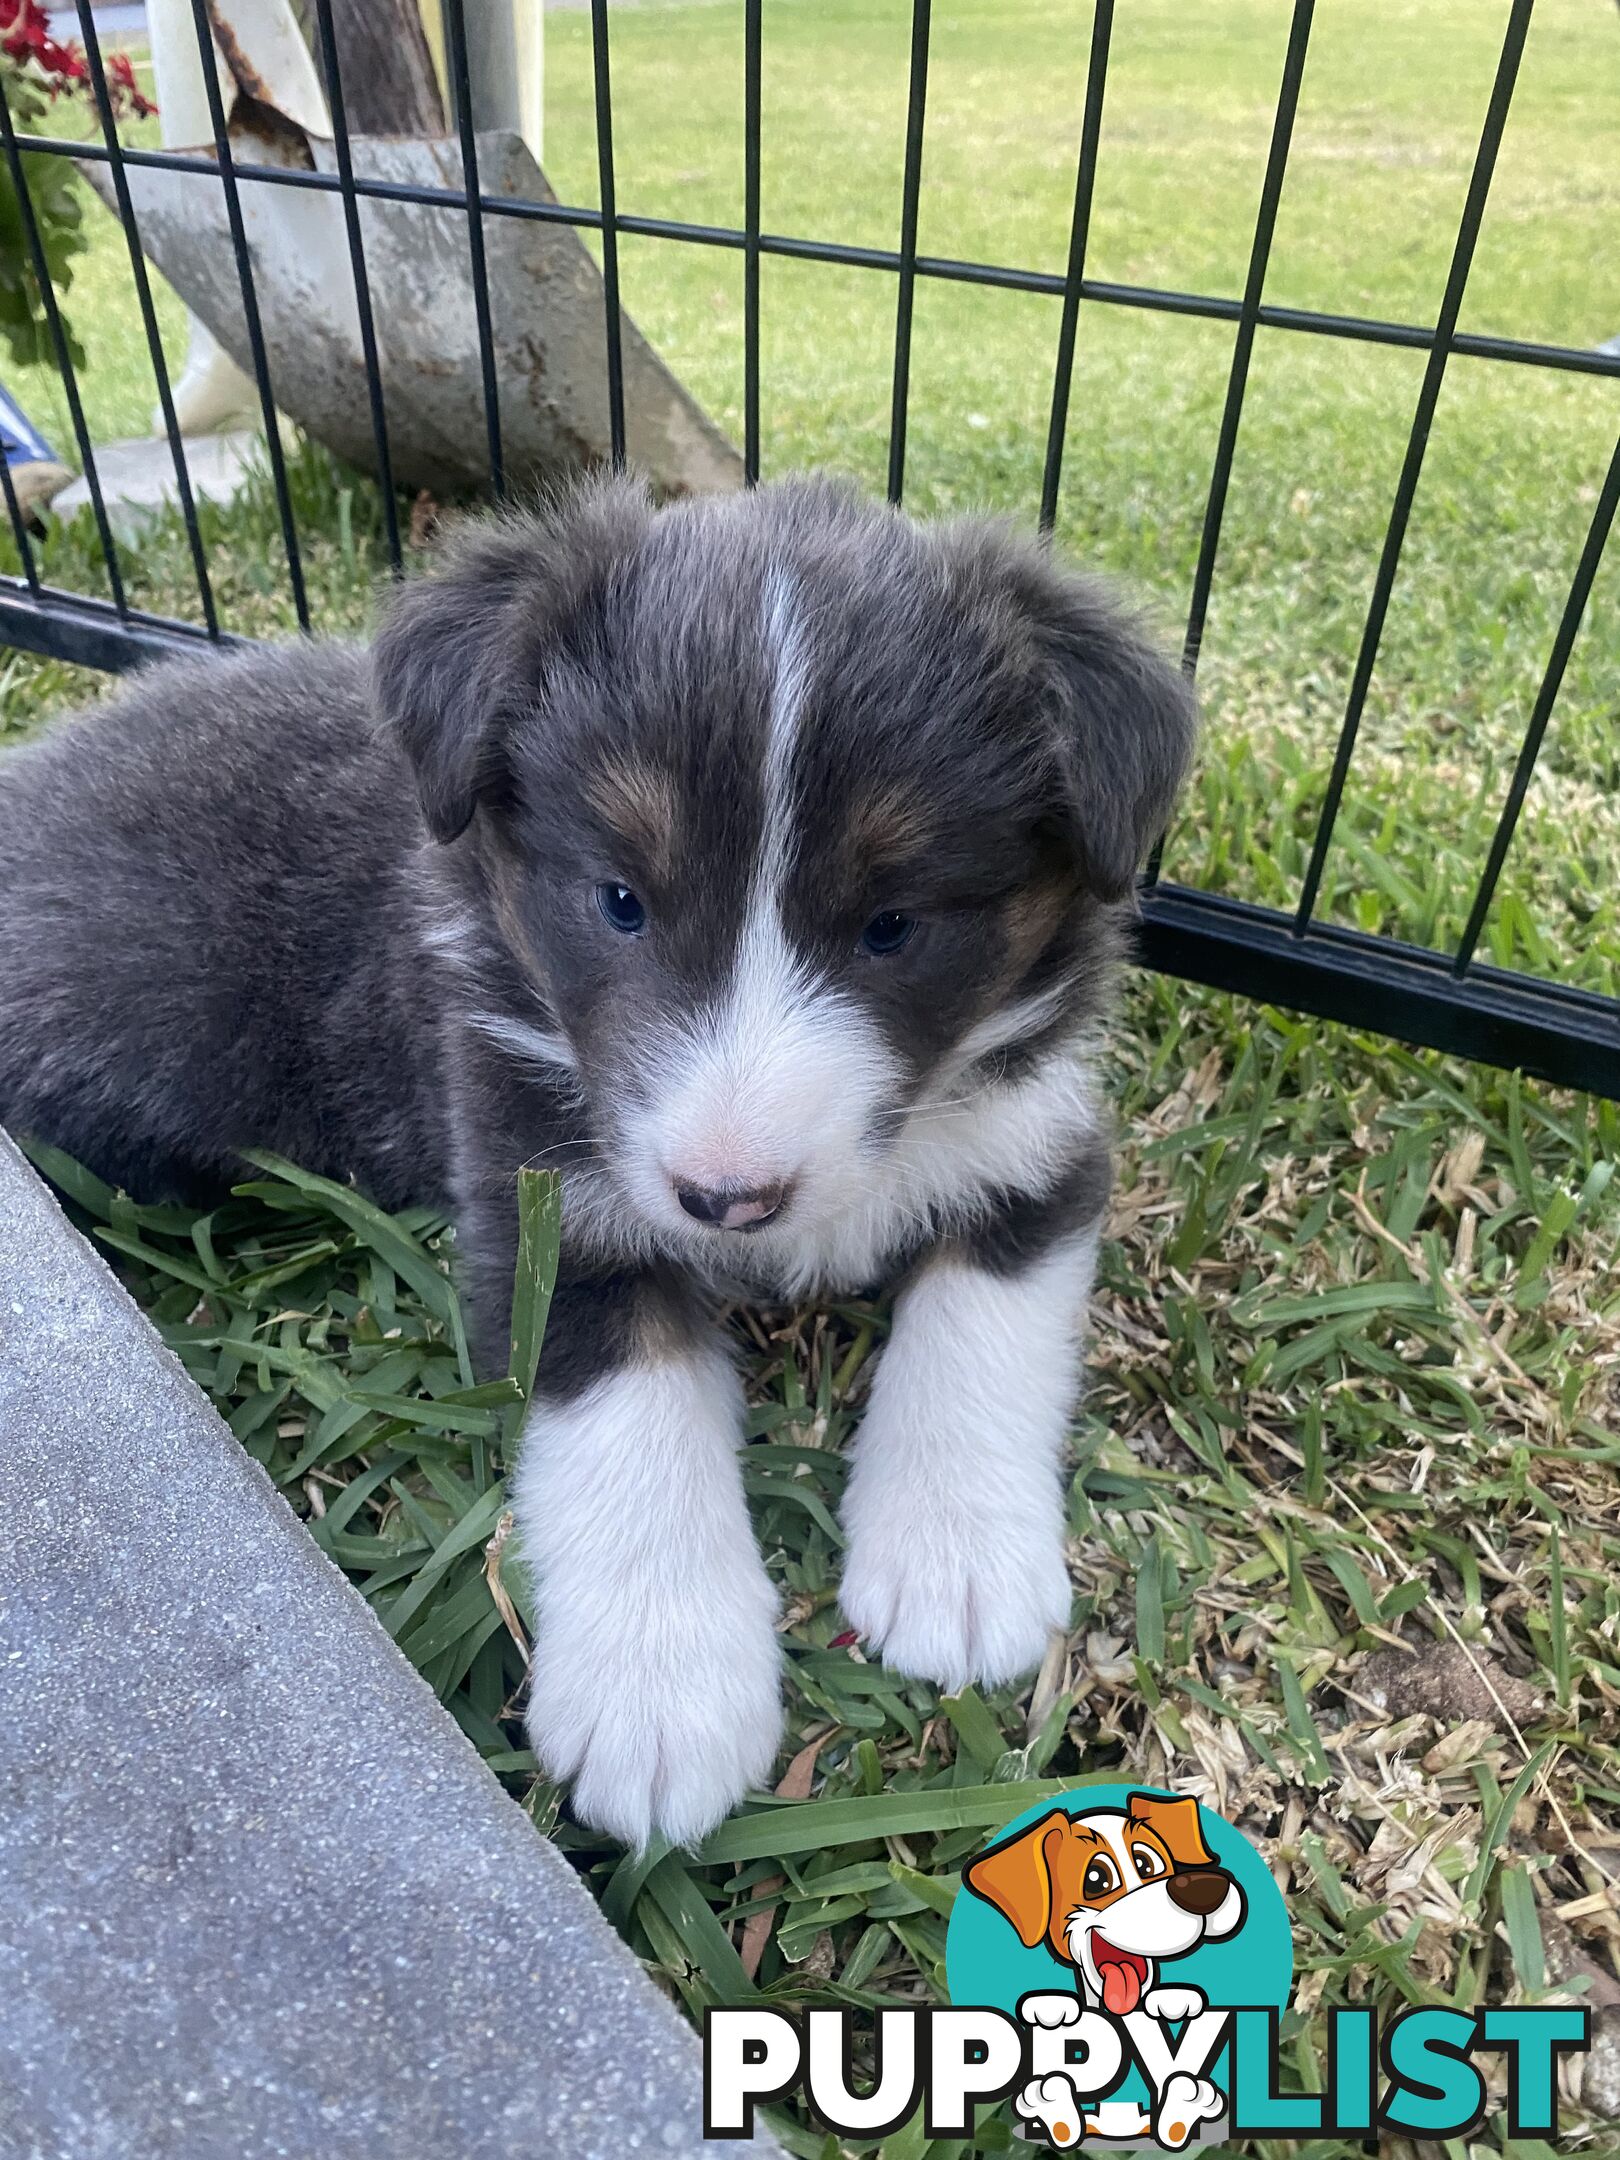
x,y
1113,1893
795,814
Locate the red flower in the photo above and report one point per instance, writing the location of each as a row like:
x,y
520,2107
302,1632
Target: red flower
x,y
25,37
125,89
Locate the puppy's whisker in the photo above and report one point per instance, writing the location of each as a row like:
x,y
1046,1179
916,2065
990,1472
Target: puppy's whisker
x,y
934,1113
540,1156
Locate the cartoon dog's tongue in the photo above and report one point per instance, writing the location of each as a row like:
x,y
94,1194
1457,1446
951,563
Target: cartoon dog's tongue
x,y
1121,1975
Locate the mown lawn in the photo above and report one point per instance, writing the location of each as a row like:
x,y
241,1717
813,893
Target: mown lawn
x,y
1357,1347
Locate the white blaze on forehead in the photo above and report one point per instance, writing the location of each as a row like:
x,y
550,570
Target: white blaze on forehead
x,y
790,682
780,1077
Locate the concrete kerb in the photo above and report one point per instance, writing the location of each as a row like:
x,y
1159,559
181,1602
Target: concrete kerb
x,y
258,1896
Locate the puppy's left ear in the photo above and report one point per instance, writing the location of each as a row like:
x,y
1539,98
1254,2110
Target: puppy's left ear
x,y
1016,1877
462,653
1177,1822
1118,718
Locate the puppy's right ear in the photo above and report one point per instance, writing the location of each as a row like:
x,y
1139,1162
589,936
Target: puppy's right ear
x,y
462,651
1016,1878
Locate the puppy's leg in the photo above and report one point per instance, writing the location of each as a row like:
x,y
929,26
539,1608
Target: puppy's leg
x,y
954,1509
656,1679
501,1115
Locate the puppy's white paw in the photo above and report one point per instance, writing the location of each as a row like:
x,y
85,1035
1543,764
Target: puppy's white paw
x,y
954,1509
1172,2004
662,1718
1184,2103
948,1597
1053,2102
656,1684
1050,2011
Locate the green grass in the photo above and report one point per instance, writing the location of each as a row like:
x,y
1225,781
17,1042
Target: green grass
x,y
1356,1348
1388,121
1356,1371
1392,100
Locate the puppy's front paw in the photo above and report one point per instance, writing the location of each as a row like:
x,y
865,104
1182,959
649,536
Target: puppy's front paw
x,y
1183,2105
663,1710
1050,2011
948,1594
1053,2102
1172,2004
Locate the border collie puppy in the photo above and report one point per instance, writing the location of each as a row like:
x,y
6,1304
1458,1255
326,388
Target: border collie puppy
x,y
759,862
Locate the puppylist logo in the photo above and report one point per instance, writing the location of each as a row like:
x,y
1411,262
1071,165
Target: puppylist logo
x,y
1119,1963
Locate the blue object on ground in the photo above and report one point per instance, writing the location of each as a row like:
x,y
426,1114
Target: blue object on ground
x,y
20,440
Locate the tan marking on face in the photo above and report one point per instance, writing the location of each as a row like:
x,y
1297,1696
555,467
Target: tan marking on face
x,y
888,821
637,800
506,876
1030,919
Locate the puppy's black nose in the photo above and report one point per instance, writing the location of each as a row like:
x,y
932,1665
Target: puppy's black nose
x,y
732,1207
1198,1890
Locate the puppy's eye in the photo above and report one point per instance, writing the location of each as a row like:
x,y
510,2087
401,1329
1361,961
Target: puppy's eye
x,y
886,933
1148,1862
621,908
1099,1879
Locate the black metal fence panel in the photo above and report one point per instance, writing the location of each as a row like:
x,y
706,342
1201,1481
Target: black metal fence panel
x,y
1442,999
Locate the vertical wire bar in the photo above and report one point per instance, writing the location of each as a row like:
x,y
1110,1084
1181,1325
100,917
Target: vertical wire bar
x,y
1237,381
1102,25
461,86
1445,328
250,305
19,526
362,281
608,188
1569,623
64,358
1265,226
910,195
752,43
149,321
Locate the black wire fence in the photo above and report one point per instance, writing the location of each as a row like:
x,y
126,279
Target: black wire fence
x,y
1445,1000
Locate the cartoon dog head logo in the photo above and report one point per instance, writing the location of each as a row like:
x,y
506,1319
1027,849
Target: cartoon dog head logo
x,y
1120,1927
1114,1893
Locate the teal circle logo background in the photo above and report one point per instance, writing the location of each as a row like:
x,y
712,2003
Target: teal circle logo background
x,y
987,1965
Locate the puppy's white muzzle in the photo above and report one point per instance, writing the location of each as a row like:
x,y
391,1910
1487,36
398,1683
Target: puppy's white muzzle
x,y
754,1112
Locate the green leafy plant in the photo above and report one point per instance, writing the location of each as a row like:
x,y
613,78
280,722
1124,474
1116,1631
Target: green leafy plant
x,y
36,70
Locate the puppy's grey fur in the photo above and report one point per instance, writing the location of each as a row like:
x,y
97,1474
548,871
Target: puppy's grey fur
x,y
765,856
210,933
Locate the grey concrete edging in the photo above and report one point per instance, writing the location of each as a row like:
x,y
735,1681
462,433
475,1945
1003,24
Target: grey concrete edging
x,y
258,1896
